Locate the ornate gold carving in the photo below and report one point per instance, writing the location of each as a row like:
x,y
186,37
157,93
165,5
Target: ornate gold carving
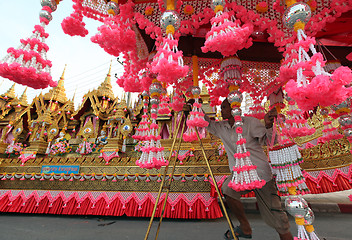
x,y
88,130
53,131
127,127
331,154
37,146
3,147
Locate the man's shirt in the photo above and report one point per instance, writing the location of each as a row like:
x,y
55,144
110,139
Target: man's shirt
x,y
256,135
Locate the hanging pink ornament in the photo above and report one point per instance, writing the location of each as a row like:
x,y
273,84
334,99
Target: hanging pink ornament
x,y
285,160
313,86
141,133
231,71
168,62
177,101
245,176
295,125
329,132
28,64
74,25
226,36
118,32
195,118
152,151
164,105
257,110
131,79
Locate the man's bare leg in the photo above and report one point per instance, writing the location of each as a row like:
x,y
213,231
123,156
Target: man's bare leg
x,y
237,208
286,236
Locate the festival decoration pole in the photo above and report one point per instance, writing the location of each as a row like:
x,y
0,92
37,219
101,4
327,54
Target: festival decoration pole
x,y
162,181
216,185
171,176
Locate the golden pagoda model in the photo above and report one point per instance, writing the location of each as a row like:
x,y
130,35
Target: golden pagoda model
x,y
52,109
11,120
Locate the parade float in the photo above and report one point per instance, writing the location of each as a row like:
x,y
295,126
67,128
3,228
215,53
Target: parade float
x,y
107,157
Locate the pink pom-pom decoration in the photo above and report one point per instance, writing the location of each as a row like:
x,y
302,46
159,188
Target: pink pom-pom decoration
x,y
28,65
117,34
74,26
314,86
152,151
177,102
245,176
168,62
296,125
226,36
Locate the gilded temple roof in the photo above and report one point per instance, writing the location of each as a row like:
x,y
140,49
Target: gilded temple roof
x,y
11,92
105,88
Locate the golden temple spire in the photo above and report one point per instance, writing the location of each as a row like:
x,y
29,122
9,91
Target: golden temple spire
x,y
109,73
58,93
11,92
23,98
123,101
105,88
72,101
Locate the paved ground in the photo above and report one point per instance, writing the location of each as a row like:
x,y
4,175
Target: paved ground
x,y
329,226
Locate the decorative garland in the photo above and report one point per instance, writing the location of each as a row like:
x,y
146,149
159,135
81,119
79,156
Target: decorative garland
x,y
14,149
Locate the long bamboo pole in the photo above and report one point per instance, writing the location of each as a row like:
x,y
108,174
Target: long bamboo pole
x,y
163,179
170,179
216,186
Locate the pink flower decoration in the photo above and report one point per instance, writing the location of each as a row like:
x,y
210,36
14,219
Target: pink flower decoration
x,y
189,10
262,7
74,26
149,10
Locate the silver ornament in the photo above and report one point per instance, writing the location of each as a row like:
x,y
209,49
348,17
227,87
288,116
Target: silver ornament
x,y
296,206
215,3
348,132
309,217
235,96
236,112
195,91
45,14
345,120
145,94
296,12
154,101
170,17
154,111
155,88
113,6
324,111
50,3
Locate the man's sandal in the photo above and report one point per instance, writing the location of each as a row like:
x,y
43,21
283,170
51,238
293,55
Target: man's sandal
x,y
238,232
